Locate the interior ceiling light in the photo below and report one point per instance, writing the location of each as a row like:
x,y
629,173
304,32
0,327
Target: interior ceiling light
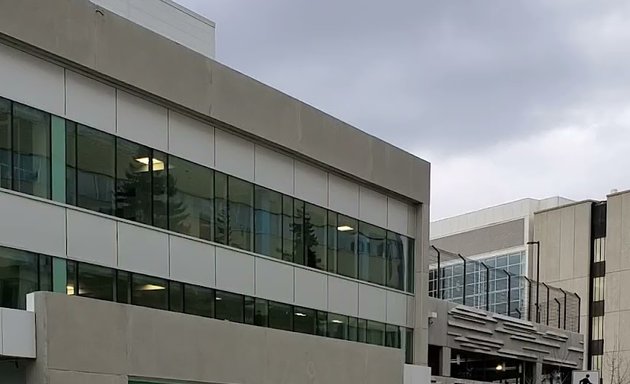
x,y
70,290
344,228
500,367
158,165
300,314
152,287
337,321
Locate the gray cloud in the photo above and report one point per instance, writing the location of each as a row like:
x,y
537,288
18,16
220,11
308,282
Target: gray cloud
x,y
449,80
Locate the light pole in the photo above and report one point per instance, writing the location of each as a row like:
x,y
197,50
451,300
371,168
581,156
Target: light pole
x,y
537,243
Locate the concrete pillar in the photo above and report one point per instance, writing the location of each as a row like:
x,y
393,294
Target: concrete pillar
x,y
445,361
537,373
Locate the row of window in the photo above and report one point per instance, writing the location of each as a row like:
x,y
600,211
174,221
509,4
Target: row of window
x,y
114,176
24,272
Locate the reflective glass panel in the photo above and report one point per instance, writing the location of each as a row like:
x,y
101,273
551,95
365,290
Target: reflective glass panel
x,y
161,191
229,306
96,282
71,163
298,232
133,181
305,320
375,333
392,336
191,188
280,316
241,213
331,241
198,301
175,296
18,277
95,164
268,222
287,228
395,274
338,326
123,287
220,208
347,229
31,151
5,143
149,292
371,253
315,236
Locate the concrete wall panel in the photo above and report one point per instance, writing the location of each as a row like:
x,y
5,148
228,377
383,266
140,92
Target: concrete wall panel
x,y
274,281
17,333
397,216
192,261
234,155
31,81
143,250
311,289
33,226
311,184
92,238
396,308
235,271
372,303
274,170
90,102
142,121
372,207
567,242
190,139
343,196
343,296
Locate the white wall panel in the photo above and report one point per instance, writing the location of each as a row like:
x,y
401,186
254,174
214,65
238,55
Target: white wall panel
x,y
234,155
311,184
372,303
31,81
32,225
190,139
235,271
91,238
142,121
397,216
274,170
396,308
90,102
311,289
17,333
274,280
411,312
142,250
372,207
192,261
343,296
343,196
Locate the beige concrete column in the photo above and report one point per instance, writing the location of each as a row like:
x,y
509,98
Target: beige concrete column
x,y
445,362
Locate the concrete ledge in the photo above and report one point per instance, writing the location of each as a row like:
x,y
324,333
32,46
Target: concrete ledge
x,y
17,333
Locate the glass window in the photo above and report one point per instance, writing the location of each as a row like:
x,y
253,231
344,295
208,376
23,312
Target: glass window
x,y
375,333
395,259
45,273
241,213
280,316
332,241
249,314
161,193
175,296
123,287
353,329
287,228
315,236
322,322
71,162
371,253
392,336
346,246
409,346
149,292
362,333
5,143
305,320
96,282
95,170
220,208
268,222
190,193
18,277
229,306
410,263
198,301
338,326
298,232
133,182
71,277
261,314
31,151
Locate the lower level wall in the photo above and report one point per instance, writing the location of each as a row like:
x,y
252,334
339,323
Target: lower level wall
x,y
12,371
83,340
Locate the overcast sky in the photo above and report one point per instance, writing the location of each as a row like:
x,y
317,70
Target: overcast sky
x,y
506,99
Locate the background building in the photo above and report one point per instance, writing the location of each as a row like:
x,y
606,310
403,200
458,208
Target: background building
x,y
189,223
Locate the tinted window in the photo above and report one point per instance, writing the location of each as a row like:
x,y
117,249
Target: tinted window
x,y
337,326
149,292
305,320
96,282
392,336
287,228
45,273
346,246
331,240
191,204
161,191
395,271
353,329
71,277
18,277
280,316
71,163
5,144
123,287
261,314
410,262
229,306
95,170
220,208
315,236
133,181
298,232
31,151
371,253
198,301
175,296
268,222
241,213
375,333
